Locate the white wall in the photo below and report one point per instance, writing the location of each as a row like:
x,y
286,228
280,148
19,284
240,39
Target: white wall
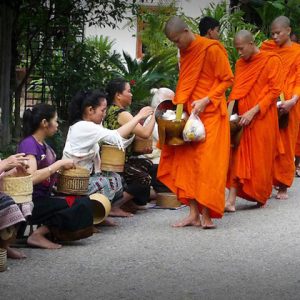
x,y
125,36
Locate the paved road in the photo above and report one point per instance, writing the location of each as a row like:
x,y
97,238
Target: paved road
x,y
254,254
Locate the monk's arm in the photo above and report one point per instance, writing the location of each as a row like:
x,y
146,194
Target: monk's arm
x,y
275,84
188,78
223,74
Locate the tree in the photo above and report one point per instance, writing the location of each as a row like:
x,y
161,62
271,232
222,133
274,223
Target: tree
x,y
35,25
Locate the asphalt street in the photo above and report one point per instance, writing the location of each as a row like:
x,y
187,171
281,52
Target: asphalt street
x,y
253,254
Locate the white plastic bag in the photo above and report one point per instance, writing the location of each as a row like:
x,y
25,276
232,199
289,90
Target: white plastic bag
x,y
194,130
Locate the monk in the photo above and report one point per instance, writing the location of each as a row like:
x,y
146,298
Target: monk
x,y
289,52
294,38
196,172
257,85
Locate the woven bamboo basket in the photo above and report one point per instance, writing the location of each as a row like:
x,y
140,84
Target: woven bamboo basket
x,y
167,200
112,159
73,181
101,207
19,187
142,145
3,260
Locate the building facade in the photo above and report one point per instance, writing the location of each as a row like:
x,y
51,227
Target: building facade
x,y
125,35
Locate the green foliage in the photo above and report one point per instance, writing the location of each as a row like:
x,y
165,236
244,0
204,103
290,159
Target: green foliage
x,y
152,35
67,74
230,25
268,10
145,74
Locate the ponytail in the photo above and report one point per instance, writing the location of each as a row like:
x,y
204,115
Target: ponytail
x,y
32,118
113,87
81,101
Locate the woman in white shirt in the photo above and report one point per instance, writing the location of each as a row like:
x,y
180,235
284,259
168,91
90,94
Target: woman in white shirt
x,y
86,112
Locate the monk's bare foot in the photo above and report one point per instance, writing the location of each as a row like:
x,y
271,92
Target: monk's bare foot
x,y
38,240
108,222
207,223
260,205
118,212
229,208
14,254
188,221
282,194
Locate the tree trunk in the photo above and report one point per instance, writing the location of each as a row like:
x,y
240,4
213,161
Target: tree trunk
x,y
6,21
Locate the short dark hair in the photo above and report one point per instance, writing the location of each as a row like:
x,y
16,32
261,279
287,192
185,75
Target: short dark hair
x,y
207,23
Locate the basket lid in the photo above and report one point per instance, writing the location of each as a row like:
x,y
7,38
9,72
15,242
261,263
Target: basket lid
x,y
76,172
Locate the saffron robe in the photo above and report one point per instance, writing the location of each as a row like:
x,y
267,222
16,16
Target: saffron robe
x,y
198,170
284,168
258,81
297,150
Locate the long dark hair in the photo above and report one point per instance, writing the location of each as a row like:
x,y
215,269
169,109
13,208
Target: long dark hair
x,y
32,118
81,101
116,85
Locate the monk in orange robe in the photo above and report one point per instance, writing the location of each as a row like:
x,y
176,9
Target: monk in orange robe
x,y
294,38
257,85
284,169
297,155
196,172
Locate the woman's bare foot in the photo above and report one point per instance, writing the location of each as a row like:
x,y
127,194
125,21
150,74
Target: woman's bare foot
x,y
14,254
282,194
188,221
38,240
118,212
229,207
207,223
108,222
96,230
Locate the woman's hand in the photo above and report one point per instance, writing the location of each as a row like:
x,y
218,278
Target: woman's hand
x,y
68,164
200,105
145,112
14,161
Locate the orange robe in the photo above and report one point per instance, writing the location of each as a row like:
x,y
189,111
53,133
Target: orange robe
x,y
297,150
258,81
284,169
198,170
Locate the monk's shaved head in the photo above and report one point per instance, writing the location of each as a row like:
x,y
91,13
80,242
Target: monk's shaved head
x,y
245,36
244,44
178,32
281,30
282,21
175,25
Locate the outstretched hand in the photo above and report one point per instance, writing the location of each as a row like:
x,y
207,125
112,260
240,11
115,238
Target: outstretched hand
x,y
145,112
14,161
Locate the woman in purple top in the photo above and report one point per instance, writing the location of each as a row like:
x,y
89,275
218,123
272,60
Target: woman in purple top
x,y
63,217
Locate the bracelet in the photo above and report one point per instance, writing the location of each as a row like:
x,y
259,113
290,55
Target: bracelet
x,y
50,170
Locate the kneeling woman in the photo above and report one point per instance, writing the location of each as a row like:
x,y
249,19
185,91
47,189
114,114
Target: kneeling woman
x,y
137,170
86,112
63,217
